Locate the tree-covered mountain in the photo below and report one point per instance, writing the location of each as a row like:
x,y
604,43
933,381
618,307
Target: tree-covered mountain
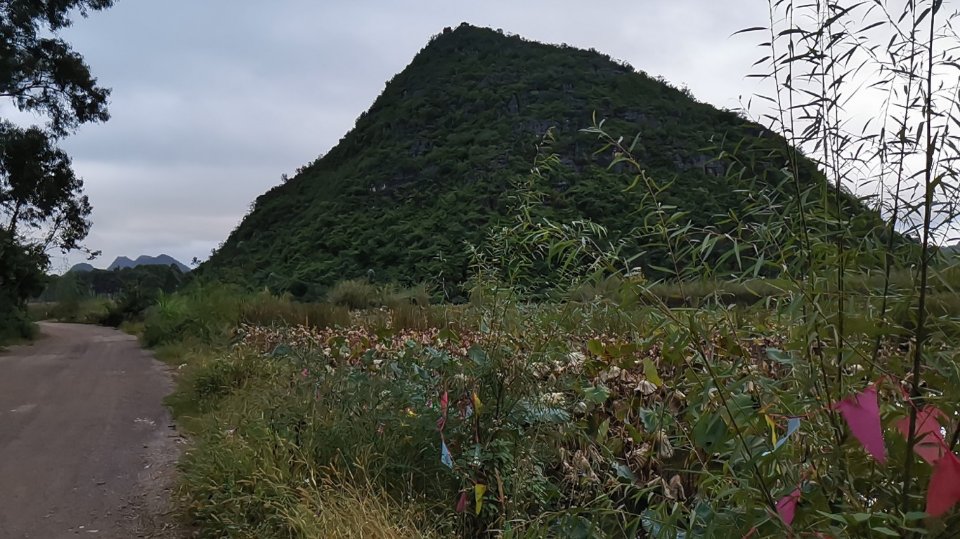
x,y
429,167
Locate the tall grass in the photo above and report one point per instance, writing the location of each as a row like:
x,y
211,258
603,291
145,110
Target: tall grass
x,y
211,314
274,456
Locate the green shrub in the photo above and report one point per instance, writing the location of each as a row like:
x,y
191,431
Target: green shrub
x,y
203,314
40,310
355,294
15,325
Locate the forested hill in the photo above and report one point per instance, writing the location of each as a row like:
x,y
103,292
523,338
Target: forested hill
x,y
429,166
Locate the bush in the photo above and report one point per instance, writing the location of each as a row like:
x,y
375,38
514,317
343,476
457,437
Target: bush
x,y
355,294
15,325
202,314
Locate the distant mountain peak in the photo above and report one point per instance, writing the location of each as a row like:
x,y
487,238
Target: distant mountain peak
x,y
81,267
146,260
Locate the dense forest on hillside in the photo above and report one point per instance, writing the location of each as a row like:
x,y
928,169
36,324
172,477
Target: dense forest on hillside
x,y
111,283
432,165
108,297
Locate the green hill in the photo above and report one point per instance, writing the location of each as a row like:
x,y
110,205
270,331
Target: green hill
x,y
429,166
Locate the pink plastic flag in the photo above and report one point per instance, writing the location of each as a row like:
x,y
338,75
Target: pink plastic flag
x,y
862,414
462,503
929,439
944,489
787,506
444,401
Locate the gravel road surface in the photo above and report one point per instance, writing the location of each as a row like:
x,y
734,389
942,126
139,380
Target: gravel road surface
x,y
87,448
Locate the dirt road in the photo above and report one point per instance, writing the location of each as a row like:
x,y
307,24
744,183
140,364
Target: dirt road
x,y
87,448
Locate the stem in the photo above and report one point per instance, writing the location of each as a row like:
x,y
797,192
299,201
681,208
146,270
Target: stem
x,y
832,146
924,270
888,258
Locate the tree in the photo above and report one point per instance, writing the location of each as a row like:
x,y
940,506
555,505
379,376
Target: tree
x,y
39,190
21,276
40,72
42,205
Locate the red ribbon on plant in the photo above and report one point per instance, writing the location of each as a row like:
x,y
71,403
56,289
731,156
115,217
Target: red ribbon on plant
x,y
862,414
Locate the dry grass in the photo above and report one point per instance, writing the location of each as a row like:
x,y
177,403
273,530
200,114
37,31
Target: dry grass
x,y
348,508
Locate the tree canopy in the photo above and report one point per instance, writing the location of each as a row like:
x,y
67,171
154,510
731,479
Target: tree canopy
x,y
42,205
40,72
39,190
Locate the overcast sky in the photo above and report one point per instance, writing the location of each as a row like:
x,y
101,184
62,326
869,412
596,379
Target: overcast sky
x,y
213,100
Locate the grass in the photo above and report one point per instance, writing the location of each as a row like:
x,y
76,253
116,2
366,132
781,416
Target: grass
x,y
312,420
244,475
85,311
291,414
17,340
355,294
945,283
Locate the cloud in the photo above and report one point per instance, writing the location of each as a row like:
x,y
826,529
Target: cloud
x,y
212,101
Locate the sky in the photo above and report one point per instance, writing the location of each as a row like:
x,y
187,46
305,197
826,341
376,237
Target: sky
x,y
213,100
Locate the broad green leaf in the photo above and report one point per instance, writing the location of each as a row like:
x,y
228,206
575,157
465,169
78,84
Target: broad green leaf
x,y
650,372
447,334
596,394
624,472
779,356
709,432
603,429
478,355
